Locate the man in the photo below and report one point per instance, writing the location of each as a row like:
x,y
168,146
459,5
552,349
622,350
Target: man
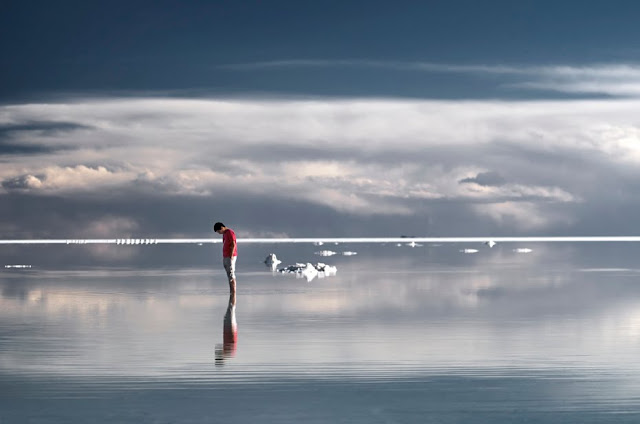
x,y
229,256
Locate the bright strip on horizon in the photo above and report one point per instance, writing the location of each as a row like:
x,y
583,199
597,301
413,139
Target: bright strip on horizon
x,y
373,240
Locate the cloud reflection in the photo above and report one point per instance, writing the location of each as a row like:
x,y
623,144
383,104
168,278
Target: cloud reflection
x,y
452,313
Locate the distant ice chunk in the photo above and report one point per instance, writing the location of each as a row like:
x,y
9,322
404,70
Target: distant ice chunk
x,y
318,243
325,253
291,269
301,270
17,266
468,250
272,261
310,271
349,253
523,250
325,270
413,244
490,243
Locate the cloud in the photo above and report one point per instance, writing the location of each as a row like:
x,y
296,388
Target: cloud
x,y
620,80
23,182
485,179
517,192
514,164
39,127
524,215
109,225
68,178
379,64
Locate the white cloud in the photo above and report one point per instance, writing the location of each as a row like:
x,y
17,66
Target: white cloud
x,y
611,79
69,178
516,191
170,129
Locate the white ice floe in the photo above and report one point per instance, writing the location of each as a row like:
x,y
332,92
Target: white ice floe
x,y
348,253
272,261
490,243
17,266
468,250
309,270
325,253
523,250
318,243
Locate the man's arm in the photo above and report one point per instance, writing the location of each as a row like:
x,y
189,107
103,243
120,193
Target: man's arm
x,y
233,243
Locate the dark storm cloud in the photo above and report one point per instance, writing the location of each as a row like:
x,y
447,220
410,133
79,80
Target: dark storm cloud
x,y
15,138
8,148
44,128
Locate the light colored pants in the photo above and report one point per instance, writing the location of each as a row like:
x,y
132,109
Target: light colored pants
x,y
230,267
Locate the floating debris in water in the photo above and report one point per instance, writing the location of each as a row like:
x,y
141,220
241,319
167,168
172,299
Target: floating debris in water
x,y
310,271
272,261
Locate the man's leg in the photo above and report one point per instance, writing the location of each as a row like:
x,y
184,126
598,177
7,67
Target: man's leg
x,y
230,267
232,292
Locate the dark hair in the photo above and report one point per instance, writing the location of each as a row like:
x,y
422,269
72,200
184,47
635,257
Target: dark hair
x,y
217,226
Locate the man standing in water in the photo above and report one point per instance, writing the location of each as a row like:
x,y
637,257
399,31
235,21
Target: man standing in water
x,y
229,256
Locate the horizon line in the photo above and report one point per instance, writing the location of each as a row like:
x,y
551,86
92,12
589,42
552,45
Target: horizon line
x,y
322,240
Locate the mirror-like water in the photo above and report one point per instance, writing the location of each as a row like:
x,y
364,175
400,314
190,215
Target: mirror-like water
x,y
398,335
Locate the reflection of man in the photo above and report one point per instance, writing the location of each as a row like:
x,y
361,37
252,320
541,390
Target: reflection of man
x,y
229,336
229,256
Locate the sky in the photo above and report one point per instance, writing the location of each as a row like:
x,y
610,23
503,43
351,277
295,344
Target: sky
x,y
333,118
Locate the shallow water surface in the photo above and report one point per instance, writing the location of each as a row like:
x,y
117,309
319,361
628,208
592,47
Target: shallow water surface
x,y
425,334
